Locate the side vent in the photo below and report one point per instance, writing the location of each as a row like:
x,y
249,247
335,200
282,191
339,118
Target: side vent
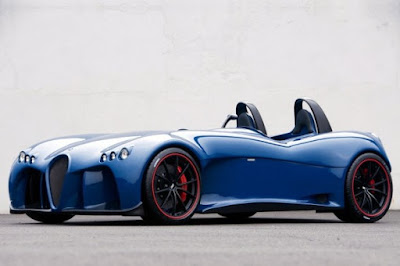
x,y
56,177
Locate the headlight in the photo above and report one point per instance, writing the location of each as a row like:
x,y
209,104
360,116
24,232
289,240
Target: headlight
x,y
21,157
124,154
27,158
112,156
33,159
103,157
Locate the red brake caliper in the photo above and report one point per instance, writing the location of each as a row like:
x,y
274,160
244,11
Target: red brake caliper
x,y
365,172
372,182
184,187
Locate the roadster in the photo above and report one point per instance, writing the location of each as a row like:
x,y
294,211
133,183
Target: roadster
x,y
166,177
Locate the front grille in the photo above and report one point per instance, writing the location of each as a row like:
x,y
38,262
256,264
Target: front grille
x,y
56,178
35,192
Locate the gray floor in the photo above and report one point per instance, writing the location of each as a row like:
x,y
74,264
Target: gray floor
x,y
283,238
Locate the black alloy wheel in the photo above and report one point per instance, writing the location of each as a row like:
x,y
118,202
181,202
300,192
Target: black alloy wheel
x,y
171,187
368,190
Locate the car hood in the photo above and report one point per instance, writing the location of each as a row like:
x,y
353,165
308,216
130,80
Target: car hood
x,y
90,142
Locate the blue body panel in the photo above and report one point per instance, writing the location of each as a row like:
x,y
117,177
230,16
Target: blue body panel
x,y
238,167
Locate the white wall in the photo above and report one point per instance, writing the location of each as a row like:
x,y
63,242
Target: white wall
x,y
82,66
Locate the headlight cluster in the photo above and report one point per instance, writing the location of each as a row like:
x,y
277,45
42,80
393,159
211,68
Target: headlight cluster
x,y
123,154
25,158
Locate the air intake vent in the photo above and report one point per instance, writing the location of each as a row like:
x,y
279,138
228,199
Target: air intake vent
x,y
32,191
57,175
35,190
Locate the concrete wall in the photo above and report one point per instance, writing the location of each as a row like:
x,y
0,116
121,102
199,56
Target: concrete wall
x,y
69,67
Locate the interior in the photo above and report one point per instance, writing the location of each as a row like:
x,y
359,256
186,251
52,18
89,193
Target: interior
x,y
306,122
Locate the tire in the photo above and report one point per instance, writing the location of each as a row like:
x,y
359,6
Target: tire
x,y
368,190
171,188
49,218
237,216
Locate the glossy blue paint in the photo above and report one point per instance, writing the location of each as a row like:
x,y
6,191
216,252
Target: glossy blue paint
x,y
238,166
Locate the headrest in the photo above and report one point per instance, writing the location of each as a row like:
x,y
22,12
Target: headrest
x,y
244,120
304,123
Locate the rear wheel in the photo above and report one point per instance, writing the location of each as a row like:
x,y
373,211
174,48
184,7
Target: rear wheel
x,y
171,187
368,190
49,218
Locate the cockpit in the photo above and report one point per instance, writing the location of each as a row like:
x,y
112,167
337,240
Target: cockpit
x,y
306,122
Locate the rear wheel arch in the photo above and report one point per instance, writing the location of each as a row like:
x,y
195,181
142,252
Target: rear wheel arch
x,y
377,153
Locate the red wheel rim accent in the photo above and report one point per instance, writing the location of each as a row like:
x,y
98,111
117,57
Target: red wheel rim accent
x,y
186,178
372,188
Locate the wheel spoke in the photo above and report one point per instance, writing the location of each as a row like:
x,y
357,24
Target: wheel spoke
x,y
380,182
377,190
183,171
181,201
163,177
373,197
175,203
177,165
369,201
376,172
166,199
163,190
359,193
358,180
186,183
166,169
359,172
369,176
187,192
363,201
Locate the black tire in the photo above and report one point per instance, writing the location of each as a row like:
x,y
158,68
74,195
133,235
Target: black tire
x,y
49,218
171,188
368,190
237,216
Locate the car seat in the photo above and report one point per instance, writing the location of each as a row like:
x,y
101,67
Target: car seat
x,y
304,123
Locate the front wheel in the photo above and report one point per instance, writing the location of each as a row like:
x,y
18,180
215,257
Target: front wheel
x,y
368,190
49,218
171,187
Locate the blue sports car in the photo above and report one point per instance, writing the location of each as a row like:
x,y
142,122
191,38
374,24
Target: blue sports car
x,y
166,177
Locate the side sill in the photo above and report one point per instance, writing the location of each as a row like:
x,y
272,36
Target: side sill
x,y
265,207
135,211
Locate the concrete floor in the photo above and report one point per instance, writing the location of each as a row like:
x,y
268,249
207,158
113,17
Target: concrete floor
x,y
280,238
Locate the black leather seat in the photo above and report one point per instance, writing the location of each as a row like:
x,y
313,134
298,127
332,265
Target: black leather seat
x,y
244,120
304,123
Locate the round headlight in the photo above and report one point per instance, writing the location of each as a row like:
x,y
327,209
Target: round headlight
x,y
21,157
124,154
112,156
33,159
27,158
103,157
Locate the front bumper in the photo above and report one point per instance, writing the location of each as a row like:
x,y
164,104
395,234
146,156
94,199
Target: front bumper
x,y
54,187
